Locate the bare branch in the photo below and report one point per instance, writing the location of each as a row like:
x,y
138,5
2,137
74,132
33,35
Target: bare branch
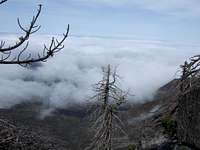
x,y
190,74
31,29
21,58
49,51
3,1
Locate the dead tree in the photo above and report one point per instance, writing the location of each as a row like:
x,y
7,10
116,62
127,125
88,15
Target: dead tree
x,y
190,74
108,125
23,42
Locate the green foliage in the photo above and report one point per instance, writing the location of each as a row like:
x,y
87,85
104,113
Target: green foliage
x,y
132,147
183,148
170,125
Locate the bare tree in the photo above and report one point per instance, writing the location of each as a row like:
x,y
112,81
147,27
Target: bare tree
x,y
108,126
47,52
190,74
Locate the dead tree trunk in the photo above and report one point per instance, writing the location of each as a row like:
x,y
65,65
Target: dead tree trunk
x,y
107,124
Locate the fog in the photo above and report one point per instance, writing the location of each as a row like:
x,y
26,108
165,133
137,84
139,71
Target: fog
x,y
144,66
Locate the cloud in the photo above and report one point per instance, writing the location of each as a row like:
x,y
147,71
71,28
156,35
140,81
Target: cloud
x,y
171,7
144,66
175,7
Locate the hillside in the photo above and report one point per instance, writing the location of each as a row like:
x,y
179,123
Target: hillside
x,y
68,128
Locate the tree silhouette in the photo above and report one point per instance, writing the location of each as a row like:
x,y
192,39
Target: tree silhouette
x,y
23,42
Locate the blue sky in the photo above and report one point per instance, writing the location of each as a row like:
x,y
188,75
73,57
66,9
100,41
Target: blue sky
x,y
176,20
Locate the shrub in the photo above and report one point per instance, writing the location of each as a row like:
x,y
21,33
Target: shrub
x,y
132,147
169,125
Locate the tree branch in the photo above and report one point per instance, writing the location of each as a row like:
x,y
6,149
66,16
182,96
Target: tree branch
x,y
54,47
3,1
31,29
48,51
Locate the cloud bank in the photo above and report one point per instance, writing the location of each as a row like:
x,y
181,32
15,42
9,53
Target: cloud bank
x,y
144,66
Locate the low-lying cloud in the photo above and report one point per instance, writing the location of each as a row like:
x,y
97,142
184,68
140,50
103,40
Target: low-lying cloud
x,y
144,66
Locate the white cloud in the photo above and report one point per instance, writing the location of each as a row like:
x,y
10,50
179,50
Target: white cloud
x,y
172,7
143,65
175,7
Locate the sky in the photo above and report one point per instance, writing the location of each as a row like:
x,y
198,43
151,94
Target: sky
x,y
147,39
175,20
